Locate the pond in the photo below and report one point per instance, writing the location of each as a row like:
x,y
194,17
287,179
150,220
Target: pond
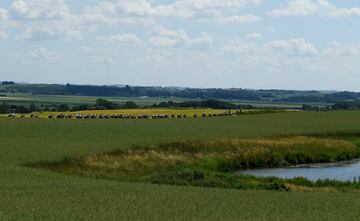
x,y
342,171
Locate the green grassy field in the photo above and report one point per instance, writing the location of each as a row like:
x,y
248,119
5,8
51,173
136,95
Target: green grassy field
x,y
27,99
36,194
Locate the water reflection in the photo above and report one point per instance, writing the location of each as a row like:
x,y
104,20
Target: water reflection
x,y
344,171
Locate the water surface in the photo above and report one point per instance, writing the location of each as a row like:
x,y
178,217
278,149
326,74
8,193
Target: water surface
x,y
343,171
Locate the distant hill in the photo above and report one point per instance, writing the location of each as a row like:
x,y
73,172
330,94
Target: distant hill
x,y
177,92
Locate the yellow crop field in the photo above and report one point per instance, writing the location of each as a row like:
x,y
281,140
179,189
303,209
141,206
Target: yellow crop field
x,y
189,112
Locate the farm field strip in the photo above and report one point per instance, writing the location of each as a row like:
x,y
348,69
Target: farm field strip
x,y
76,100
26,99
188,112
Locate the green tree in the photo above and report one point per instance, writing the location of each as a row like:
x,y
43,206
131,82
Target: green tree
x,y
130,105
32,107
106,104
4,108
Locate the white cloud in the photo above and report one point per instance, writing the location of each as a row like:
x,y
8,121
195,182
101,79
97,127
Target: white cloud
x,y
240,19
37,20
87,49
42,54
211,4
102,60
109,12
179,38
254,35
132,11
121,38
163,41
156,56
47,33
296,7
180,8
2,34
338,49
314,7
39,9
271,29
241,47
145,8
205,41
3,14
169,38
293,46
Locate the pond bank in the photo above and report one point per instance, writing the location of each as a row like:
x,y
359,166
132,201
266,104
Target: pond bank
x,y
211,163
341,171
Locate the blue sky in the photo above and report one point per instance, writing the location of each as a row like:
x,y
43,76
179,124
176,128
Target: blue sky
x,y
283,44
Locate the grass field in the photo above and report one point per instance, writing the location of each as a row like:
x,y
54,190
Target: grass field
x,y
35,194
27,99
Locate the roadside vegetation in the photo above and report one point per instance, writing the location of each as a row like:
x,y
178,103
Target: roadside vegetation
x,y
213,163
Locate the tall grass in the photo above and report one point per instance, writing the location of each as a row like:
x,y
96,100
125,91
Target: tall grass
x,y
231,154
210,163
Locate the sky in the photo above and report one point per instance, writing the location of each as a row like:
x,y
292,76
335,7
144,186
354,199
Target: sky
x,y
259,44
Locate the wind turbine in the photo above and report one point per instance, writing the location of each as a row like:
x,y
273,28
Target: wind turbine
x,y
108,72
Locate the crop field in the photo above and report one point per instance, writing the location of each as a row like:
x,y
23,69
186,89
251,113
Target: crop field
x,y
32,193
147,111
27,99
188,112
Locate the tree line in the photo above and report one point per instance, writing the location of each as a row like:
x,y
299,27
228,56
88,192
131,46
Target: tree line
x,y
171,92
103,104
210,103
